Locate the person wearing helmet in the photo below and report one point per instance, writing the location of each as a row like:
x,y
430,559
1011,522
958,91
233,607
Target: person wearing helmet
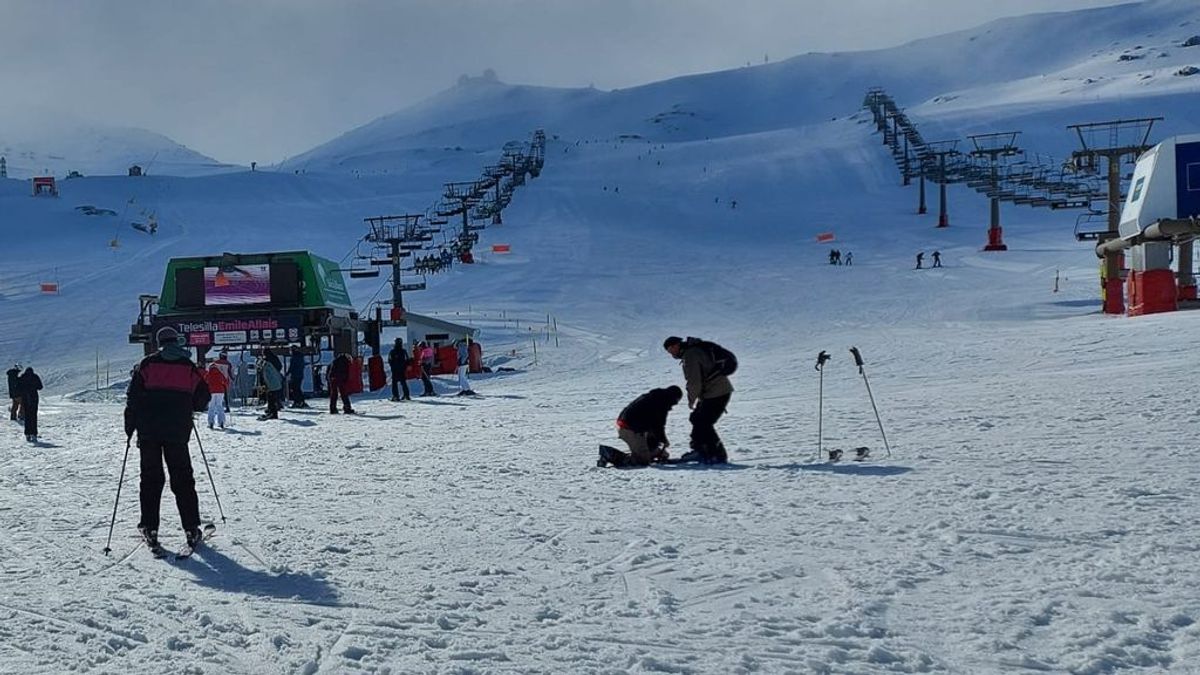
x,y
166,388
642,425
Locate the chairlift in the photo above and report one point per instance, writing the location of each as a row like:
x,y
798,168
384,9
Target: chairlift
x,y
361,268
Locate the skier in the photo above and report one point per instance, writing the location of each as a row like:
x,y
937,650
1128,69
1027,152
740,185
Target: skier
x,y
425,354
642,425
339,377
398,360
218,385
849,258
832,256
464,364
708,393
29,384
937,258
273,380
14,393
837,256
920,257
296,377
226,369
165,390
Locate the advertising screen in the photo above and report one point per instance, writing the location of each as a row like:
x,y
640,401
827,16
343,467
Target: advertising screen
x,y
237,285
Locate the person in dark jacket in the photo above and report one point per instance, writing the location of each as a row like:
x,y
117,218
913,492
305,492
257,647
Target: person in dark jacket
x,y
14,392
398,360
643,427
708,393
165,390
29,385
273,383
339,377
296,377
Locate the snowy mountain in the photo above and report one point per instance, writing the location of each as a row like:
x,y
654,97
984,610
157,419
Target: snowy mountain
x,y
1053,60
1035,512
45,143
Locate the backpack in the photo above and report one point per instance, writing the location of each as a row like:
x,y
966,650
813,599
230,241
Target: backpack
x,y
724,361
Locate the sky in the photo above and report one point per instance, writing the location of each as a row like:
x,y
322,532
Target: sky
x,y
261,80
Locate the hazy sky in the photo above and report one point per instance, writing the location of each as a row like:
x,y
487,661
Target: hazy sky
x,y
245,80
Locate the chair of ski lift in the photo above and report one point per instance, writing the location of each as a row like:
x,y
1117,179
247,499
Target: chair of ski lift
x,y
361,268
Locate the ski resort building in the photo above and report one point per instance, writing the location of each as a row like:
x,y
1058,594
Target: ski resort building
x,y
442,336
1159,221
45,186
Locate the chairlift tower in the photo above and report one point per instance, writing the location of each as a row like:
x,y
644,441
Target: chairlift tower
x,y
467,194
1115,141
396,232
995,146
941,150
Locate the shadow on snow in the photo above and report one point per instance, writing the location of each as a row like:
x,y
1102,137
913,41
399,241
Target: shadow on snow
x,y
220,572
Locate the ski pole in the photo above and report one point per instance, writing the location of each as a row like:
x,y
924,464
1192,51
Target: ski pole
x,y
108,544
820,368
858,360
210,478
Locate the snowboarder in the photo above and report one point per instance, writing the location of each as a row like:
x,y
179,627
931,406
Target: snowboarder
x,y
937,258
14,392
463,352
29,384
398,360
339,378
296,377
425,354
642,425
708,393
165,390
273,380
218,386
920,258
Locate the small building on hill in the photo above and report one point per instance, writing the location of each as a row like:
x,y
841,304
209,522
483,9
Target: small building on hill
x,y
45,185
135,170
442,335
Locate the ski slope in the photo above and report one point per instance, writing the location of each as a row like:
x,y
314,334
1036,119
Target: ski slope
x,y
1036,513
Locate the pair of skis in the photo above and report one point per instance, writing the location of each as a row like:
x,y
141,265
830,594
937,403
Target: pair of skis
x,y
861,453
207,531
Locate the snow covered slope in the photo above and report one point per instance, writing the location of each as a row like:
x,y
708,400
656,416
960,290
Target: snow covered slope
x,y
43,143
1036,513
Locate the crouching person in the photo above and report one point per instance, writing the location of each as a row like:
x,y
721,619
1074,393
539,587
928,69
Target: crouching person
x,y
642,425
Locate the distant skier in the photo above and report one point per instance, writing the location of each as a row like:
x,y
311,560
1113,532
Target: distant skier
x,y
165,390
708,393
849,258
218,386
642,425
937,259
398,360
296,377
463,352
272,373
920,259
14,392
339,379
30,384
425,355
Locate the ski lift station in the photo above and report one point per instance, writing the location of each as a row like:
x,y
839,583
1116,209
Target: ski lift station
x,y
1159,222
246,300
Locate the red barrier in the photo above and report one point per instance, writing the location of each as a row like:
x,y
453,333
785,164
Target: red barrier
x,y
1152,292
376,377
475,358
355,384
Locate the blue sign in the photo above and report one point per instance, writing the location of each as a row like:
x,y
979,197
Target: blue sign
x,y
1187,179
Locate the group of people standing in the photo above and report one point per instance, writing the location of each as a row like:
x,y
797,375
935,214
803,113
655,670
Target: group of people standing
x,y
836,257
399,360
23,388
937,259
642,423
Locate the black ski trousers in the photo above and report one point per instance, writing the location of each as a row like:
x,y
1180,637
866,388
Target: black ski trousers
x,y
183,484
398,382
426,382
704,418
15,411
297,392
30,405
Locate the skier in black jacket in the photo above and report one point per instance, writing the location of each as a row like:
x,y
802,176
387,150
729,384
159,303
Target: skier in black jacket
x,y
14,392
398,360
642,425
165,390
29,384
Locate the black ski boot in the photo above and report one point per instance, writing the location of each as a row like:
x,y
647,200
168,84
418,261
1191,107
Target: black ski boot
x,y
861,453
835,455
150,537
